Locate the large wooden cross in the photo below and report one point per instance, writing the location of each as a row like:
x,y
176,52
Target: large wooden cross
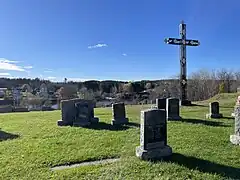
x,y
183,42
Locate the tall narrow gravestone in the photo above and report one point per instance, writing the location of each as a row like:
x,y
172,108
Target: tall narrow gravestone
x,y
235,139
161,103
214,111
237,104
77,112
153,135
119,114
173,109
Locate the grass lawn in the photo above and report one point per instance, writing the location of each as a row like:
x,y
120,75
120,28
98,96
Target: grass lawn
x,y
31,143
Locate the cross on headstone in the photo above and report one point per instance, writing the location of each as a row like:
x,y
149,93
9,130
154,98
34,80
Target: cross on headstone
x,y
183,42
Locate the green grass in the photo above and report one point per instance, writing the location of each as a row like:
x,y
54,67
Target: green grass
x,y
31,143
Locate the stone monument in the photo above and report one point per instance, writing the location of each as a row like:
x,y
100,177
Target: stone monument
x,y
172,108
238,89
214,111
119,114
235,139
183,42
161,103
237,103
77,112
153,135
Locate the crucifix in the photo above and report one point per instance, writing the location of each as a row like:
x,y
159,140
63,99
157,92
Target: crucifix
x,y
183,42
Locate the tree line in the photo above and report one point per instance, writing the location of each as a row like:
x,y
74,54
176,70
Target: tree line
x,y
202,85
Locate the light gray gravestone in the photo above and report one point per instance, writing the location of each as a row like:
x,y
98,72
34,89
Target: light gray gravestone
x,y
235,139
153,135
172,108
214,111
236,105
119,114
238,89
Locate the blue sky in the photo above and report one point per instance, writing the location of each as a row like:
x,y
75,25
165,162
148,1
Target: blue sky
x,y
114,39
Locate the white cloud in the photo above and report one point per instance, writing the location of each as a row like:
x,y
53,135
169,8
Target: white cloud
x,y
47,71
8,61
27,67
6,64
97,46
79,79
124,54
52,78
5,74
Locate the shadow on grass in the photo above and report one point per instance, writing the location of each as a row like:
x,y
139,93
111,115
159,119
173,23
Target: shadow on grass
x,y
199,105
205,166
227,107
132,124
204,122
105,126
228,118
6,136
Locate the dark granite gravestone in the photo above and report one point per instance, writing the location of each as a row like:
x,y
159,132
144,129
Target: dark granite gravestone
x,y
235,139
83,116
119,114
153,135
72,112
161,103
173,109
214,111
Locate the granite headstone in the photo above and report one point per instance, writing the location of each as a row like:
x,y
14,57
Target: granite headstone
x,y
214,111
74,109
235,138
119,114
238,89
153,135
173,110
161,103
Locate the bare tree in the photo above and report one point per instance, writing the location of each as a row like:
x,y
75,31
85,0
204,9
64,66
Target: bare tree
x,y
128,87
148,85
226,77
202,85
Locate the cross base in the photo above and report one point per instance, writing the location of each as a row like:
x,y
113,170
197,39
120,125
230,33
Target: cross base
x,y
186,103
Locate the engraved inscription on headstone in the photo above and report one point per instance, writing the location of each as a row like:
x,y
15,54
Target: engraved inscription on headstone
x,y
83,116
173,109
119,114
235,138
153,135
183,42
214,111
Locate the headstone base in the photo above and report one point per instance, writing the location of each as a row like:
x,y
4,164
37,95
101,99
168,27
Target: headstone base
x,y
153,154
120,121
235,139
215,116
94,120
186,103
81,124
174,118
62,123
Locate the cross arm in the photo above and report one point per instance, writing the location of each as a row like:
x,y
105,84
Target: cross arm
x,y
187,42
